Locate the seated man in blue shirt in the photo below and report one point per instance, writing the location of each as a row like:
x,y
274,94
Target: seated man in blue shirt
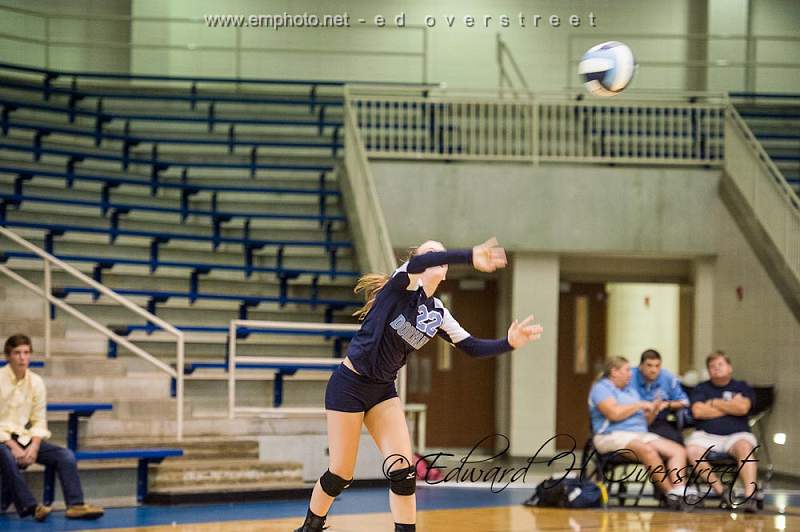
x,y
720,407
663,389
619,421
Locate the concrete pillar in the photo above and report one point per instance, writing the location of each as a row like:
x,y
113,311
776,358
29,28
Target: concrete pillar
x,y
502,388
702,331
534,290
697,49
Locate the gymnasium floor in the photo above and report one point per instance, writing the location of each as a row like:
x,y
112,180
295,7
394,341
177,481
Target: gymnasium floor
x,y
445,509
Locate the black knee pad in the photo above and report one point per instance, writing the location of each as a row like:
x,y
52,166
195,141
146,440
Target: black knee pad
x,y
403,481
333,484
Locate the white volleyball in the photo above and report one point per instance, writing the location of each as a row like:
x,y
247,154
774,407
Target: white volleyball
x,y
607,68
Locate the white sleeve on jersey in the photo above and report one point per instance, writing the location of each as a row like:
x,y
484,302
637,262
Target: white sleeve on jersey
x,y
450,329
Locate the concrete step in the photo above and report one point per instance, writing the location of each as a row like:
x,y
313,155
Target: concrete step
x,y
185,251
93,343
127,409
180,153
205,449
107,389
211,474
145,131
233,491
222,176
315,152
218,282
33,325
282,423
280,201
161,408
200,314
259,229
262,180
68,366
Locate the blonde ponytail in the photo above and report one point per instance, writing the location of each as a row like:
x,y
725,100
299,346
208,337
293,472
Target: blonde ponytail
x,y
370,284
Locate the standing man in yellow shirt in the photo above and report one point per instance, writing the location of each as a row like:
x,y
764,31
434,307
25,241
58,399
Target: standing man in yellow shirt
x,y
23,431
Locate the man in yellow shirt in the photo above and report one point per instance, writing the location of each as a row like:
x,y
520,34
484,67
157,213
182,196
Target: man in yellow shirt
x,y
23,431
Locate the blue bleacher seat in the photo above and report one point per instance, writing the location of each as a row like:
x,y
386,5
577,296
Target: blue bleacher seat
x,y
145,457
76,411
31,364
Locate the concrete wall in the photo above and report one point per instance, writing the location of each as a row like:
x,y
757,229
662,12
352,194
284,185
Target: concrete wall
x,y
769,18
541,52
313,454
759,333
643,316
544,53
62,29
623,210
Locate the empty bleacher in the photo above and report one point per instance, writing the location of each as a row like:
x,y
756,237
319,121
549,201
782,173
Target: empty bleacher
x,y
774,119
201,200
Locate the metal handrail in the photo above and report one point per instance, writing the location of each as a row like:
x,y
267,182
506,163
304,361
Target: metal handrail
x,y
233,358
385,259
576,94
765,161
532,127
503,51
50,261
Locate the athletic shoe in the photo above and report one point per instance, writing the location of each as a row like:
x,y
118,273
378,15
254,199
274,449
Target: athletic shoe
x,y
84,511
41,512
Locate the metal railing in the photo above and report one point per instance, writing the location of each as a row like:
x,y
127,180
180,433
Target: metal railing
x,y
644,127
370,229
774,203
504,74
45,292
630,131
435,127
234,358
417,411
45,42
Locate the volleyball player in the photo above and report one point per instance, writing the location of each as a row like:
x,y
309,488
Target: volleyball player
x,y
400,316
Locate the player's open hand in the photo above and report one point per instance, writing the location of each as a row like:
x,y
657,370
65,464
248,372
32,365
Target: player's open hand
x,y
520,334
489,256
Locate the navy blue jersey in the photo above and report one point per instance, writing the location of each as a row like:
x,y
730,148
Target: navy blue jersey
x,y
403,319
726,424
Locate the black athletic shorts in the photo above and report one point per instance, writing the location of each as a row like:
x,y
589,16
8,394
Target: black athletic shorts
x,y
347,391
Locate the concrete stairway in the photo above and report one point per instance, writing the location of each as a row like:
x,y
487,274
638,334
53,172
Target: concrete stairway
x,y
217,467
775,123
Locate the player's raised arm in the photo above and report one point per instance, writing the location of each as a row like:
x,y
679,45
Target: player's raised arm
x,y
489,256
